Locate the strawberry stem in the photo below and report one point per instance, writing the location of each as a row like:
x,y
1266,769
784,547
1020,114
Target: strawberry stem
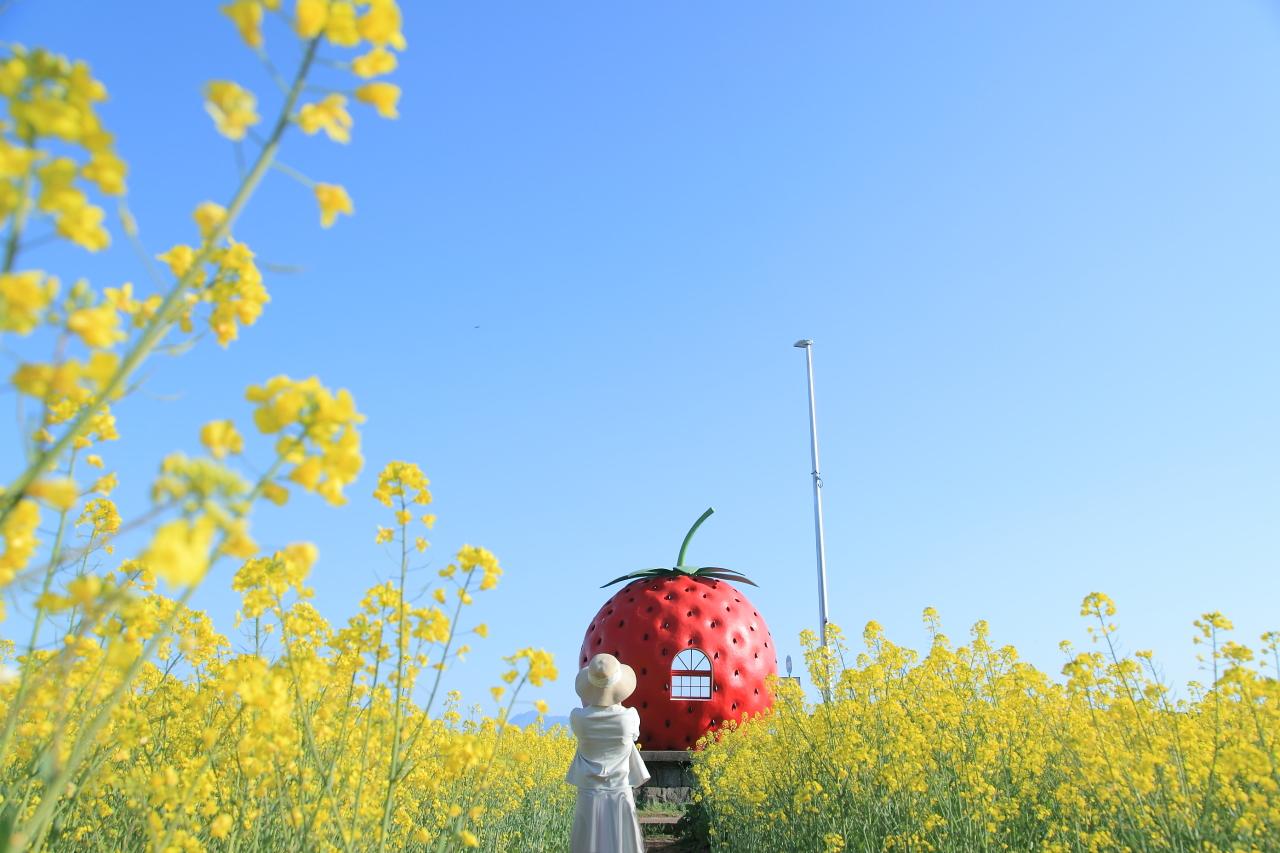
x,y
685,544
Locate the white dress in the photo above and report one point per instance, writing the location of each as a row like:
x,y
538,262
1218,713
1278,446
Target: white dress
x,y
605,769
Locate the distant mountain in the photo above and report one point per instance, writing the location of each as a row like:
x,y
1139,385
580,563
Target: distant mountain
x,y
524,718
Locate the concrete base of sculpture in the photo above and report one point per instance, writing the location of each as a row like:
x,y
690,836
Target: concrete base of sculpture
x,y
671,780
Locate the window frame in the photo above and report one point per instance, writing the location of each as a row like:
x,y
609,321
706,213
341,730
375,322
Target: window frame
x,y
692,675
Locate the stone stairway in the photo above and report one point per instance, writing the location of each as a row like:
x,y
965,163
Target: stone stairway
x,y
658,801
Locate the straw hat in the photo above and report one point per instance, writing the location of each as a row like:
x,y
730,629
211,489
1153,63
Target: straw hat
x,y
605,681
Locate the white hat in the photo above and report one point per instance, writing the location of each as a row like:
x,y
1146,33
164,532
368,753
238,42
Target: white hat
x,y
605,681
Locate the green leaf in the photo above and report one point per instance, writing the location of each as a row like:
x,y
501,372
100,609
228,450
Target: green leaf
x,y
721,571
646,573
727,575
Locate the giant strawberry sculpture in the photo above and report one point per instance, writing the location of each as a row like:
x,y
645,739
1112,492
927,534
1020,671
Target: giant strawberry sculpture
x,y
700,650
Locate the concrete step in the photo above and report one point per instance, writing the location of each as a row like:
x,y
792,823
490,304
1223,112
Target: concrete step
x,y
658,819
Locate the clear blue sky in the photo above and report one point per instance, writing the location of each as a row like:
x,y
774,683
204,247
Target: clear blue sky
x,y
1035,244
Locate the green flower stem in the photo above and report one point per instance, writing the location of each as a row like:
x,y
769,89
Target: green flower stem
x,y
412,740
368,731
281,166
309,738
28,663
393,762
19,220
688,536
338,751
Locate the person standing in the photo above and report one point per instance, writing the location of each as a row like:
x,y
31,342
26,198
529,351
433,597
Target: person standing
x,y
607,764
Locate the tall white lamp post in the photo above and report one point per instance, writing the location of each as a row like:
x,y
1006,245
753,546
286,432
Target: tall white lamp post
x,y
807,346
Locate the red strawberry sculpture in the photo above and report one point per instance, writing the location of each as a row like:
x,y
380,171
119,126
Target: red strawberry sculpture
x,y
700,650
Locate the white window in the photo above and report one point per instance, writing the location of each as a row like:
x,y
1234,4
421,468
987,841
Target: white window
x,y
691,675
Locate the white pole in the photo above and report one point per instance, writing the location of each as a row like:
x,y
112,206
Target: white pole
x,y
807,346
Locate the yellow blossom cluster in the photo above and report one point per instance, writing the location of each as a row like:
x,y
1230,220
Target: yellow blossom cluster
x,y
52,101
18,533
539,666
24,299
399,484
221,438
403,480
317,429
970,748
233,108
370,30
102,514
229,279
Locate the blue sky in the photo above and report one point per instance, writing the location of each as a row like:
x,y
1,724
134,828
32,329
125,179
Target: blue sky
x,y
1035,245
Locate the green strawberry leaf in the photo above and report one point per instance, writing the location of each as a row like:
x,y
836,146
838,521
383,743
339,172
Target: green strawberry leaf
x,y
647,573
726,575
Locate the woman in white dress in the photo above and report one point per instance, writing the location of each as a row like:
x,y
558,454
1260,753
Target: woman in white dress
x,y
607,765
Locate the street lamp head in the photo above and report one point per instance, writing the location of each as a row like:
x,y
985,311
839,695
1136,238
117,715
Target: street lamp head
x,y
804,343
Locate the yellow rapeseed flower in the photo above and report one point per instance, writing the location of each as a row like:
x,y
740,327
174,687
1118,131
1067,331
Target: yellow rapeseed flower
x,y
102,514
275,493
333,200
383,97
380,25
179,550
232,108
221,826
328,114
221,438
247,16
81,223
208,215
179,259
18,533
60,493
24,297
106,484
341,29
310,17
107,171
98,326
375,63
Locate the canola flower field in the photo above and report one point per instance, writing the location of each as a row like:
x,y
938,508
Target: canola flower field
x,y
129,722
969,748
